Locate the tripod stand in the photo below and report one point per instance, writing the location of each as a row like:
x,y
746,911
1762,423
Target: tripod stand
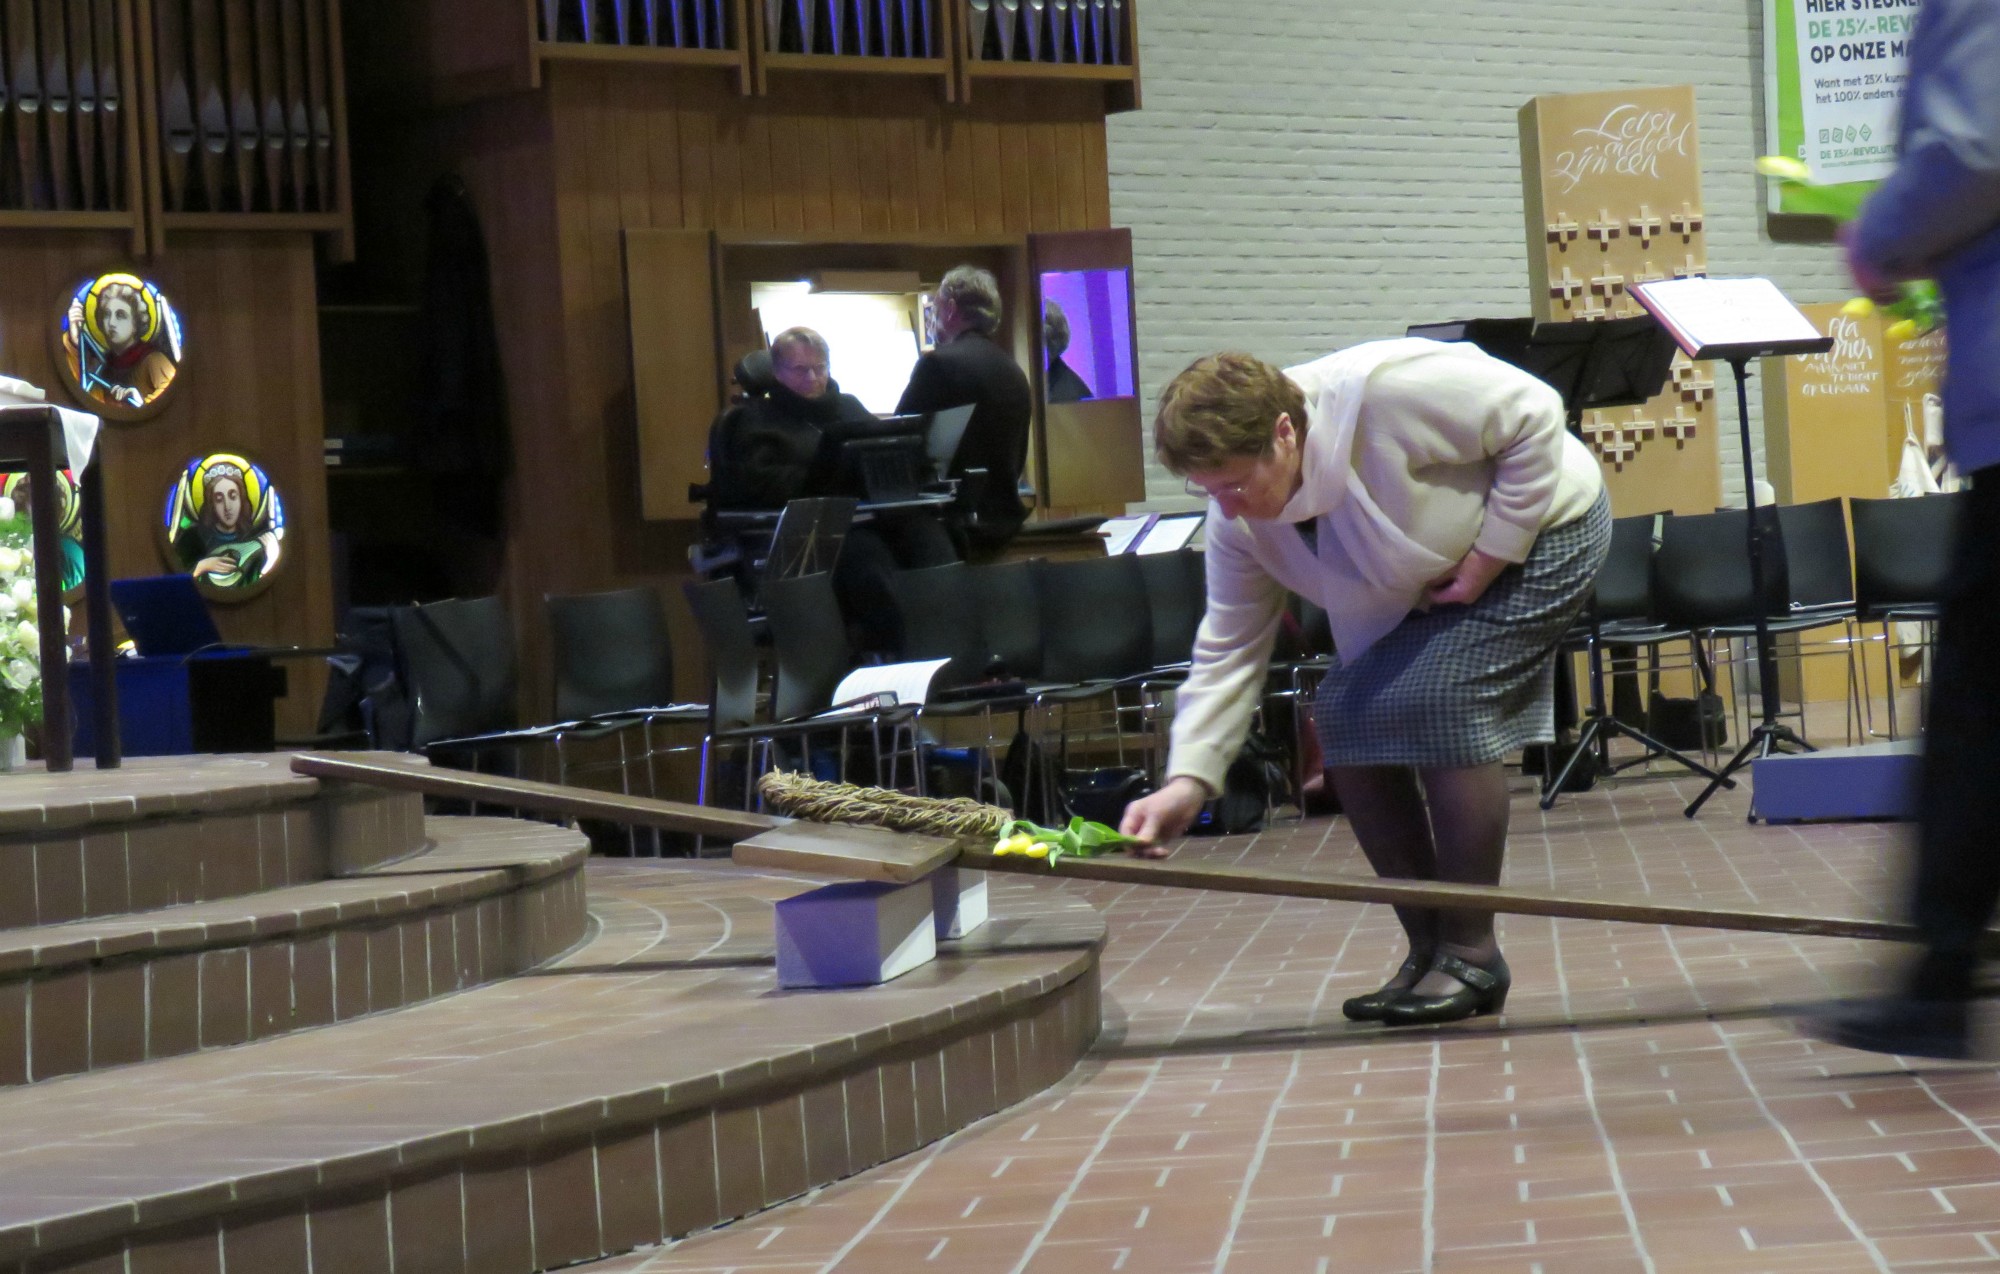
x,y
1770,732
1600,727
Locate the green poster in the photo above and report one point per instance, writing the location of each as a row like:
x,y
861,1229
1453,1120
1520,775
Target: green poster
x,y
1834,75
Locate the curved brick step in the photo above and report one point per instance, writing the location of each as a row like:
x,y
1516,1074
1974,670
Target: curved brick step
x,y
488,898
164,831
651,1083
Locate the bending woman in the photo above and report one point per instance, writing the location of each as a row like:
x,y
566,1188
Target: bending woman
x,y
1430,499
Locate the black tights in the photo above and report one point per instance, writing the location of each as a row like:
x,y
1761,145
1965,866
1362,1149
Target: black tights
x,y
1434,824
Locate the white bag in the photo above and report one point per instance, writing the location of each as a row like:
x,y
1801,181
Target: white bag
x,y
1913,474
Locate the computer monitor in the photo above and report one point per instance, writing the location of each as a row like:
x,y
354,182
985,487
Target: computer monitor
x,y
878,461
165,615
947,431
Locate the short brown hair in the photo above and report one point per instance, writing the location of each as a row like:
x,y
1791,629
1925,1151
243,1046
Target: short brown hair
x,y
1222,407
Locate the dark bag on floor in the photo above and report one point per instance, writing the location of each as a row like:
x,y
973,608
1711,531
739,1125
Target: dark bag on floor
x,y
1256,780
1102,795
1034,781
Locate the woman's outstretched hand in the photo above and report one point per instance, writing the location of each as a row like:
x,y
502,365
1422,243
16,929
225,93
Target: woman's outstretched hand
x,y
1465,583
1162,816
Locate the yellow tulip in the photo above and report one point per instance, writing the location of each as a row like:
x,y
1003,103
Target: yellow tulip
x,y
1784,168
1038,851
1903,330
1859,308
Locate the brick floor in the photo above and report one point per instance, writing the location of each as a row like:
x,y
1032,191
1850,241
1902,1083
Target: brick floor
x,y
1643,1106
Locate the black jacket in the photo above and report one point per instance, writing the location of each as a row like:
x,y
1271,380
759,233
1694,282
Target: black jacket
x,y
1064,385
973,369
764,448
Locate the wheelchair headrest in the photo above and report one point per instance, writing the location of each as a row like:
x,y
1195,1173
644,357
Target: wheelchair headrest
x,y
755,373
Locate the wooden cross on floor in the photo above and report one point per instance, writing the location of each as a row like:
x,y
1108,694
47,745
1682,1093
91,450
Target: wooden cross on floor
x,y
1604,230
1694,386
1567,288
1686,222
1647,226
1563,231
1681,425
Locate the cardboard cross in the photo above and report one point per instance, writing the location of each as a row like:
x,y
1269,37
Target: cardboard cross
x,y
1686,222
1648,273
1694,386
1618,441
1647,226
1681,425
1592,310
1604,230
1563,231
1567,288
1691,268
1608,285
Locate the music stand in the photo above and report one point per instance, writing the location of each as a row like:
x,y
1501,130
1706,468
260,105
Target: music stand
x,y
1594,364
1734,321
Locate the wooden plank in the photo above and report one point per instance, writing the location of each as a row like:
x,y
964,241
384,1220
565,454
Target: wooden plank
x,y
1404,893
779,132
1096,177
663,144
851,853
815,172
697,147
405,773
760,204
843,150
670,287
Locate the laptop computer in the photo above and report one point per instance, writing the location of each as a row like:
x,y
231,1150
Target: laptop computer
x,y
947,430
165,615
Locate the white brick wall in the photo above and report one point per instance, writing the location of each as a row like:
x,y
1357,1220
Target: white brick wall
x,y
1311,173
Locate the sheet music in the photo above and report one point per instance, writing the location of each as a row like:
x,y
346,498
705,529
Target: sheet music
x,y
1709,312
1171,534
909,683
1120,533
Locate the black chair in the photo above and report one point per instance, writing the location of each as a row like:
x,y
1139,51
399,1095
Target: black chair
x,y
1096,619
614,671
1010,611
1618,616
734,673
809,641
1902,565
1176,595
458,663
1701,582
940,611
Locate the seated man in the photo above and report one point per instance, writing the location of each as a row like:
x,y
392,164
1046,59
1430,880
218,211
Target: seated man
x,y
765,458
1063,384
765,448
969,366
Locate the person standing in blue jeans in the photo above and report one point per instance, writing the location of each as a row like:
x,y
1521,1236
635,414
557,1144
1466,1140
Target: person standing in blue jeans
x,y
1937,216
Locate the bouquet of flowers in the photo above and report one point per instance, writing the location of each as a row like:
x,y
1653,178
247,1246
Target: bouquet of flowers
x,y
1918,307
20,639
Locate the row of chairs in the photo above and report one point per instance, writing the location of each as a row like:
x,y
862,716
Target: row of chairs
x,y
1686,578
1046,638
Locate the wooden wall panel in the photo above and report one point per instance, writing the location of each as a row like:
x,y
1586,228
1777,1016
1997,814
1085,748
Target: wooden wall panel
x,y
561,175
251,383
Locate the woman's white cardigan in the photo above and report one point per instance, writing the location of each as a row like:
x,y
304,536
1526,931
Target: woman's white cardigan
x,y
1415,452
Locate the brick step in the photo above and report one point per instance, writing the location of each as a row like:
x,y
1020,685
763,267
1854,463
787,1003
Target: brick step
x,y
488,897
651,1083
165,831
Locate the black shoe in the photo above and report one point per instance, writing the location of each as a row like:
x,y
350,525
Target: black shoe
x,y
1897,1025
1368,1008
1485,991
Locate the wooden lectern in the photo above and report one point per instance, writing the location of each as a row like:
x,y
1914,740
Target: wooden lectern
x,y
31,442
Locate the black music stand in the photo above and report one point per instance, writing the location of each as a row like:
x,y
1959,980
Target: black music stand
x,y
1770,732
31,441
1594,364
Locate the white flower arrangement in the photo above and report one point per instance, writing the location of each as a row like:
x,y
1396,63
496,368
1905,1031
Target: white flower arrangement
x,y
20,639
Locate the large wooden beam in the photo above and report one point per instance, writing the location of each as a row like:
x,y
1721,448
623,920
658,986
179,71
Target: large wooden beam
x,y
868,853
408,773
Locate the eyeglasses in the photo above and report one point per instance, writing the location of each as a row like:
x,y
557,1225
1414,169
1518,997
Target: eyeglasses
x,y
1231,491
